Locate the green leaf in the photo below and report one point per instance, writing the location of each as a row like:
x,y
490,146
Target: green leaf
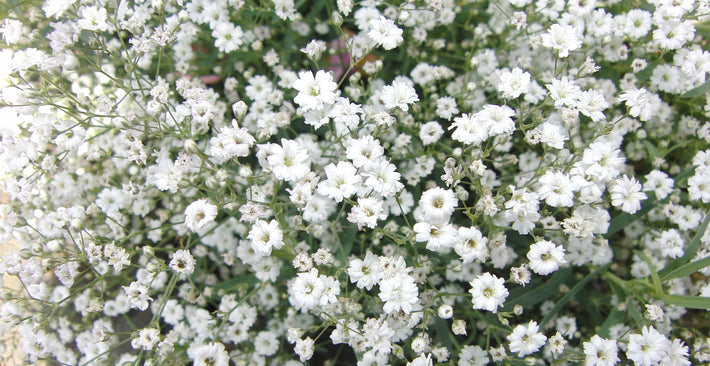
x,y
515,362
348,237
687,269
569,295
669,272
633,310
615,317
249,280
535,295
652,151
697,91
688,302
623,220
657,287
684,175
442,330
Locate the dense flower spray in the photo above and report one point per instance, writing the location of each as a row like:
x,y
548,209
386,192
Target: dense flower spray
x,y
429,182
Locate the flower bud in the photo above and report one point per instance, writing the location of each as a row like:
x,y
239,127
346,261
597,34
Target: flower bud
x,y
404,16
37,248
257,45
337,19
183,16
148,251
459,327
152,267
190,146
245,171
70,62
240,109
445,311
212,182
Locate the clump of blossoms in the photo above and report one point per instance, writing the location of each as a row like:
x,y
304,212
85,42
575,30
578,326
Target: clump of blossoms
x,y
240,182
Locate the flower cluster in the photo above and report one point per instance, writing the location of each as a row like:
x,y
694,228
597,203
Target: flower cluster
x,y
242,182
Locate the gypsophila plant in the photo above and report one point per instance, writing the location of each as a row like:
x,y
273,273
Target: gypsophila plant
x,y
420,182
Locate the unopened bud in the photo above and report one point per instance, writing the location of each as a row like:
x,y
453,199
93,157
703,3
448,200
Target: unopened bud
x,y
183,16
190,146
337,19
240,109
404,16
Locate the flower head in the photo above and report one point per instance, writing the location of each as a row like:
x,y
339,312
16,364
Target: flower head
x,y
385,33
525,339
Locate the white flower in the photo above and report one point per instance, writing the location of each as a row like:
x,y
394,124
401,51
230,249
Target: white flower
x,y
553,135
445,311
55,8
366,213
564,92
430,132
562,38
699,185
93,18
591,103
659,183
437,204
603,160
382,177
399,293
399,95
673,34
304,348
365,273
315,92
183,262
647,348
488,292
637,24
471,245
670,243
331,290
289,161
146,339
513,83
385,33
473,356
137,295
266,343
228,37
67,272
676,355
363,150
525,339
497,118
210,354
556,189
545,257
439,237
230,142
422,360
469,129
446,107
556,344
199,214
342,181
600,352
265,236
641,103
306,290
626,193
318,208
314,49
